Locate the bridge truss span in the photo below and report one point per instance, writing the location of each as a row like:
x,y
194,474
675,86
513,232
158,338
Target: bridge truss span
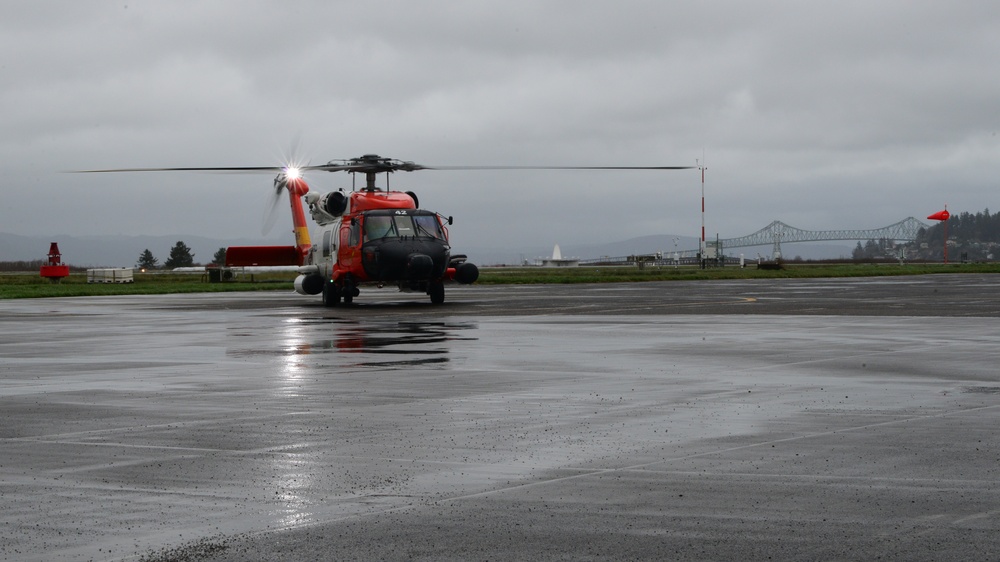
x,y
778,232
775,233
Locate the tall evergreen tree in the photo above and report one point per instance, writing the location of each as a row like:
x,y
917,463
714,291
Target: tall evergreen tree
x,y
220,257
180,256
858,253
147,260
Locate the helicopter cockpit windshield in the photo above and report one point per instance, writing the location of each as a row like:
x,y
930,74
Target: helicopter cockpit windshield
x,y
382,224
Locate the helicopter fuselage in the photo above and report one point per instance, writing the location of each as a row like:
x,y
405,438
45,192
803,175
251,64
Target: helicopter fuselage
x,y
374,237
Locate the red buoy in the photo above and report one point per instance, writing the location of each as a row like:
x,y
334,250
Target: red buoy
x,y
55,270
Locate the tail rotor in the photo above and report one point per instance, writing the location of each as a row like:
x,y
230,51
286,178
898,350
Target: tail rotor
x,y
270,215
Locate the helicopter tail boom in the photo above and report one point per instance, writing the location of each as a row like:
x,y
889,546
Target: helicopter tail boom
x,y
243,256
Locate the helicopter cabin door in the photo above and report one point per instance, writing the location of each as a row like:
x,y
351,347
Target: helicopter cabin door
x,y
349,249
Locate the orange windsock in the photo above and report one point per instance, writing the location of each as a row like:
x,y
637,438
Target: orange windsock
x,y
940,215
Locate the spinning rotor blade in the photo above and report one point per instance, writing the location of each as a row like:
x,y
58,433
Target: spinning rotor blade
x,y
373,163
221,169
235,169
270,216
557,167
397,165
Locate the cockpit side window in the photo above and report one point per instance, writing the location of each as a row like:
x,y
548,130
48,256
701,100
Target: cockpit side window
x,y
327,239
428,225
378,227
354,239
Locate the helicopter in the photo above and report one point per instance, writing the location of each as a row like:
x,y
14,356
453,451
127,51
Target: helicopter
x,y
368,236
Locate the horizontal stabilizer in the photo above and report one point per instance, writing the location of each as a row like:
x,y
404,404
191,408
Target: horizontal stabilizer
x,y
242,256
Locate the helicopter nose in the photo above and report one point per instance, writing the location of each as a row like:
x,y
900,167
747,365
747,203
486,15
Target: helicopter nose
x,y
419,266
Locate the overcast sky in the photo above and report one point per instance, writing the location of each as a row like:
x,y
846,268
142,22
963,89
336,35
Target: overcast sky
x,y
824,115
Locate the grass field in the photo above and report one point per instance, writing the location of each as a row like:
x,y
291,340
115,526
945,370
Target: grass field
x,y
31,285
624,273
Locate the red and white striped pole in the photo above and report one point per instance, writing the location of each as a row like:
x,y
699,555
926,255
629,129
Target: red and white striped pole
x,y
701,249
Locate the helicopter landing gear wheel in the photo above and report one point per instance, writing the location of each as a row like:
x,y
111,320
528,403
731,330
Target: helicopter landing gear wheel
x,y
331,294
348,291
436,291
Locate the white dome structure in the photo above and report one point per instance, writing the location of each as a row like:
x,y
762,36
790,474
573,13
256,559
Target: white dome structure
x,y
558,261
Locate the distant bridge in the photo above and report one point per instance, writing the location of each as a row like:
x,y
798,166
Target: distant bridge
x,y
776,233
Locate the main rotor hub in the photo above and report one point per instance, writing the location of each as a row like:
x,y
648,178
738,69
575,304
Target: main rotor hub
x,y
370,165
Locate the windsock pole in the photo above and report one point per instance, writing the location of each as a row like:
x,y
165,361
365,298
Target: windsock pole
x,y
943,216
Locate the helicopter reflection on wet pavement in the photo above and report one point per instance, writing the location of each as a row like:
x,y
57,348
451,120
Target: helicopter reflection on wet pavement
x,y
371,343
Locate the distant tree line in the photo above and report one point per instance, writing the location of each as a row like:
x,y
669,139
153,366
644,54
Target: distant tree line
x,y
974,237
180,256
873,249
28,265
965,227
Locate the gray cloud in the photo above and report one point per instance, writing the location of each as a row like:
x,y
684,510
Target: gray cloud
x,y
821,115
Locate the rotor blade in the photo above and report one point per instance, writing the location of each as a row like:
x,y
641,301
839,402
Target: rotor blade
x,y
324,167
366,167
335,167
557,167
220,169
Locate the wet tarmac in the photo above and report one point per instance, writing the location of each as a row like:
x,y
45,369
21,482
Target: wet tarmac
x,y
791,419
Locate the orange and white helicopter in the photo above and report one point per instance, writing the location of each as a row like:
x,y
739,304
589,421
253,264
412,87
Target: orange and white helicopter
x,y
369,235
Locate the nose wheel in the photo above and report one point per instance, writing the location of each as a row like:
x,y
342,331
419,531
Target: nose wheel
x,y
436,291
348,291
331,294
